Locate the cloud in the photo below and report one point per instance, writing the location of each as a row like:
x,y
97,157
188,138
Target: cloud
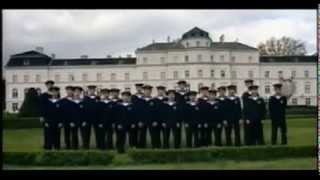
x,y
71,33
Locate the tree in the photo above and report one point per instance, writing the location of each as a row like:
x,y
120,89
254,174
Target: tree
x,y
31,104
284,46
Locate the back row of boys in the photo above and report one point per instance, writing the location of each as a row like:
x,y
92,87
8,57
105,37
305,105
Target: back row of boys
x,y
164,116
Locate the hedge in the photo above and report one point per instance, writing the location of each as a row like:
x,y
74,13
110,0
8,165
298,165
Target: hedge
x,y
214,154
61,158
21,123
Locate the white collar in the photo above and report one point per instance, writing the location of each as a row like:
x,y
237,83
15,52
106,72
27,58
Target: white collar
x,y
171,103
69,98
77,100
212,102
125,103
160,97
255,97
222,98
147,98
53,100
114,99
106,101
232,97
278,97
92,97
204,98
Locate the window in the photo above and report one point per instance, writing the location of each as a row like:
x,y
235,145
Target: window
x,y
126,76
200,73
175,75
213,85
200,85
307,88
163,60
14,78
222,58
26,78
57,77
186,58
198,43
294,101
113,76
38,78
199,57
145,60
163,75
71,77
250,74
223,74
308,101
25,91
212,58
14,93
280,74
306,73
85,77
293,74
145,76
267,74
14,107
99,77
267,89
187,74
212,73
233,59
233,74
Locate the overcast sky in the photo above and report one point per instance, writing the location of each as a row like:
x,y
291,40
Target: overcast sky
x,y
71,33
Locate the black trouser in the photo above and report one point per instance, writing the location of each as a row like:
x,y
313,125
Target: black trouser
x,y
85,135
177,137
227,131
255,133
209,134
155,136
142,137
217,135
52,137
120,140
166,137
67,135
236,129
282,125
247,134
109,132
190,136
133,137
74,137
99,133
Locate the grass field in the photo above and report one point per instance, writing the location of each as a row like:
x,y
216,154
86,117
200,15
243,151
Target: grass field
x,y
300,132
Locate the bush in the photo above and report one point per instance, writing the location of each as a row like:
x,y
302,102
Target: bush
x,y
20,123
55,158
213,154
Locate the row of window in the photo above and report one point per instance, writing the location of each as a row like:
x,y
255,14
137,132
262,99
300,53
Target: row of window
x,y
280,74
199,59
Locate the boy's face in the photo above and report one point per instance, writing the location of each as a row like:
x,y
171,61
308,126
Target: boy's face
x,y
277,90
139,89
222,92
171,96
161,92
212,95
147,92
182,86
54,93
49,86
192,97
126,98
248,84
204,93
231,91
104,94
91,91
254,91
77,93
69,92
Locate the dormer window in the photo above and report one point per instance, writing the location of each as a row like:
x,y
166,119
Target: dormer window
x,y
26,62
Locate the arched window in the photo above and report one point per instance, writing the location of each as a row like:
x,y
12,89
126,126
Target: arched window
x,y
14,93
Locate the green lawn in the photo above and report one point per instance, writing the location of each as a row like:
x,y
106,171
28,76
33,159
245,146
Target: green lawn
x,y
300,132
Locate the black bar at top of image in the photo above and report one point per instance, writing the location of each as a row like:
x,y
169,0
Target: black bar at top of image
x,y
167,4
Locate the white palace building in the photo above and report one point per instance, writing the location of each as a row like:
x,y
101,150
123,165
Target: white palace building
x,y
194,58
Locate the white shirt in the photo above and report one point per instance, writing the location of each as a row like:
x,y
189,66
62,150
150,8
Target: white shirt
x,y
92,97
125,103
53,100
232,97
278,97
106,101
171,103
77,101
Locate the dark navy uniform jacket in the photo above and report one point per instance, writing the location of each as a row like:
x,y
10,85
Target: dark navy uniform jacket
x,y
147,110
173,114
125,115
255,109
90,110
192,111
234,107
52,111
114,103
215,112
277,108
224,107
204,108
182,97
105,115
160,108
77,113
68,110
136,97
44,97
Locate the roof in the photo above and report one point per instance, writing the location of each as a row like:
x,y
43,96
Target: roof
x,y
288,59
92,61
162,46
195,33
29,58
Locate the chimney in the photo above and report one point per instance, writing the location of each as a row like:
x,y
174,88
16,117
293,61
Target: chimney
x,y
39,49
128,55
109,56
221,38
53,56
168,38
84,56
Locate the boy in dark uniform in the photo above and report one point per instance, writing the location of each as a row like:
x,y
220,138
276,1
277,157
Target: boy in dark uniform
x,y
234,105
203,123
90,118
172,121
254,113
146,116
215,118
277,109
182,93
77,116
223,101
191,121
139,93
156,128
44,98
246,94
244,97
104,115
66,107
52,120
125,114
